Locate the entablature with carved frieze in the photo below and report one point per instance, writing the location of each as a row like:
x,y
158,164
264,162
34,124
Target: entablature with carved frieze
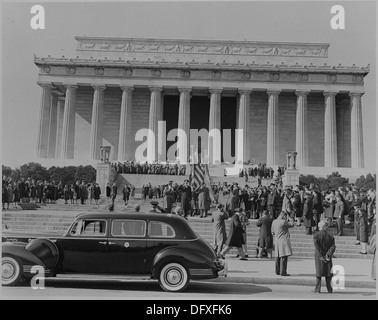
x,y
238,72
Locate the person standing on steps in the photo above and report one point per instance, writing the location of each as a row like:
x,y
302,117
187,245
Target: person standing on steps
x,y
324,248
282,245
218,219
339,214
113,196
265,242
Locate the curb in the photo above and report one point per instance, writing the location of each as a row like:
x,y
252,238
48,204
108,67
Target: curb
x,y
296,282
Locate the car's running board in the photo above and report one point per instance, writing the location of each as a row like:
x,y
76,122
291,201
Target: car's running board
x,y
94,277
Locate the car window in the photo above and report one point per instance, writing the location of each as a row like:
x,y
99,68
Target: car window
x,y
128,228
89,228
159,229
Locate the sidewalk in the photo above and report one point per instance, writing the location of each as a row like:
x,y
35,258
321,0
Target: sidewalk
x,y
302,272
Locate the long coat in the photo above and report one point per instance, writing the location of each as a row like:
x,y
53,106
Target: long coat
x,y
324,245
282,244
339,210
169,198
308,213
235,235
265,234
97,192
219,228
186,195
203,198
297,205
363,229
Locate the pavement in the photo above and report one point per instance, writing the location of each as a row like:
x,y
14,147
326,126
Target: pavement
x,y
357,273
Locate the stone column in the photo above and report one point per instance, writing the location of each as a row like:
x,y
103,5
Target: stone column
x,y
330,136
301,136
243,124
356,136
68,131
214,144
44,119
53,124
272,153
184,125
154,117
125,125
97,122
59,126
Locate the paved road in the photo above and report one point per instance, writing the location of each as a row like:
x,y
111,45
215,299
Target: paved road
x,y
204,290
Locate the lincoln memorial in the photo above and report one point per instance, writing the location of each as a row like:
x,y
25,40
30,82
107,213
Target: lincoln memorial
x,y
284,96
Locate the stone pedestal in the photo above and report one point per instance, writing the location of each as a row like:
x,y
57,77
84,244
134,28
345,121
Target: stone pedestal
x,y
290,178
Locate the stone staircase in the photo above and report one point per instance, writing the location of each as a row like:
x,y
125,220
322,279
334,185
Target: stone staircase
x,y
56,218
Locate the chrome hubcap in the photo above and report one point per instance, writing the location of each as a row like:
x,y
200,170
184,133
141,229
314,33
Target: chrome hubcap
x,y
8,270
174,277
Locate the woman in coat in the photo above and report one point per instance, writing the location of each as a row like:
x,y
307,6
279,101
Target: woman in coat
x,y
282,244
265,241
363,233
203,200
308,213
235,236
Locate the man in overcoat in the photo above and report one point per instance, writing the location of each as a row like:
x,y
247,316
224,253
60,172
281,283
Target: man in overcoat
x,y
324,248
339,215
307,212
282,244
169,197
186,195
219,228
204,200
265,241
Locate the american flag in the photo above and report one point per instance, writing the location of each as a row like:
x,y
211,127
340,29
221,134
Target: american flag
x,y
199,174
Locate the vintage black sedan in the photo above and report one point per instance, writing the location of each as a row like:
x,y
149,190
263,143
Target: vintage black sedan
x,y
115,246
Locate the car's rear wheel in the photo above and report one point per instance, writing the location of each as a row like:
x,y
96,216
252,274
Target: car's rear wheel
x,y
173,277
11,271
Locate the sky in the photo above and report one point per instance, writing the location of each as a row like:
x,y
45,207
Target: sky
x,y
281,21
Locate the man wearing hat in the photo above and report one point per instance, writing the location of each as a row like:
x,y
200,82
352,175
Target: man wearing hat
x,y
324,248
287,205
186,195
339,214
218,219
272,200
155,208
169,197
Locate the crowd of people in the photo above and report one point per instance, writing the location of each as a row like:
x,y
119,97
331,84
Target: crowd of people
x,y
135,167
41,192
261,171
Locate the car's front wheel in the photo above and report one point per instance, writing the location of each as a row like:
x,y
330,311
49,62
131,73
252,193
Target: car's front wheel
x,y
173,277
11,271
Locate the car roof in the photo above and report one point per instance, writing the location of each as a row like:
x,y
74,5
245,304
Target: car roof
x,y
131,215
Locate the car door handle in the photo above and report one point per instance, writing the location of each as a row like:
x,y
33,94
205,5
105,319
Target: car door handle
x,y
112,243
102,242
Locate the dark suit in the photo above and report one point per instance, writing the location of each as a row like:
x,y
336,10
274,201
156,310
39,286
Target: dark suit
x,y
339,214
324,248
